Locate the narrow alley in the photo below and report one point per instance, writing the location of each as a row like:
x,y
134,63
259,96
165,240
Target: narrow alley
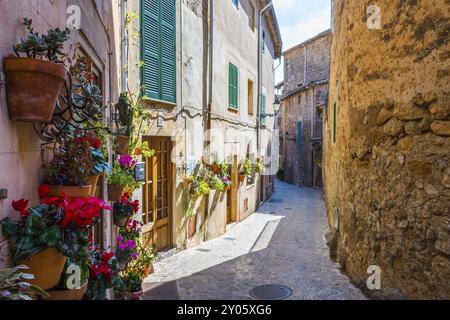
x,y
283,244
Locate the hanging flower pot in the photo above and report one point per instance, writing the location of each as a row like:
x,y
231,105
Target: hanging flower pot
x,y
148,270
46,266
122,143
64,295
241,177
121,222
137,151
216,168
186,182
32,88
93,180
71,191
115,192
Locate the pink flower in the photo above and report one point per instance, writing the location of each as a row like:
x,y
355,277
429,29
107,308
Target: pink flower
x,y
127,161
131,244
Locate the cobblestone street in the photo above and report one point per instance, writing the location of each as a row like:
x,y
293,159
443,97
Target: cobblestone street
x,y
283,243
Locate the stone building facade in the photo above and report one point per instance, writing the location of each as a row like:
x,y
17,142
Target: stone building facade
x,y
20,148
199,123
387,145
306,73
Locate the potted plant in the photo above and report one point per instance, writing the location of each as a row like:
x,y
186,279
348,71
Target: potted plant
x,y
123,122
191,216
228,184
216,183
103,275
72,167
131,285
100,163
35,240
258,166
245,171
120,177
144,150
35,81
13,285
199,188
124,210
146,259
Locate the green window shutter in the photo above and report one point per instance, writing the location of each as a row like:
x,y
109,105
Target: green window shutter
x,y
151,71
158,49
263,110
299,137
236,3
233,81
168,54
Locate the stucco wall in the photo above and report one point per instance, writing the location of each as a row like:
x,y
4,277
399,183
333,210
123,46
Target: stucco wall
x,y
20,147
387,174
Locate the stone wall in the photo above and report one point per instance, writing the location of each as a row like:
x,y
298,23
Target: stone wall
x,y
305,87
387,176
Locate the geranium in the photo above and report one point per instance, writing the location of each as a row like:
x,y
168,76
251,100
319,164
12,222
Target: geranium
x,y
126,161
21,206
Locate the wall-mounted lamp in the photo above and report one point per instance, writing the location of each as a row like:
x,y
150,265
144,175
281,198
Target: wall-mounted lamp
x,y
276,104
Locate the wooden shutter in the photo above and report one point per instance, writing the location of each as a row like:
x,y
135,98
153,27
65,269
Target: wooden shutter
x,y
151,71
233,86
158,49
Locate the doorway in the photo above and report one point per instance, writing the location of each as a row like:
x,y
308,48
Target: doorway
x,y
157,194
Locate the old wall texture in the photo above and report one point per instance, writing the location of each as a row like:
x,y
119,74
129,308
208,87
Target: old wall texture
x,y
387,177
306,73
20,152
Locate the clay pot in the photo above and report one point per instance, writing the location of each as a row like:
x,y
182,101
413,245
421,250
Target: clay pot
x,y
46,266
228,188
71,191
130,295
121,222
122,143
241,177
215,168
63,295
115,192
93,180
32,88
148,270
186,182
192,226
136,151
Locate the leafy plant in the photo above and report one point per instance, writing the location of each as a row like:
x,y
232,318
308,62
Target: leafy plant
x,y
120,176
246,168
146,151
47,46
258,166
125,208
72,163
216,183
14,287
131,281
199,188
146,257
125,115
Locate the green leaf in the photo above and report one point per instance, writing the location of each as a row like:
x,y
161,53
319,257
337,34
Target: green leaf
x,y
51,236
25,247
9,228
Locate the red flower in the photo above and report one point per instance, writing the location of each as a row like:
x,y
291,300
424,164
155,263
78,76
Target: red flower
x,y
43,190
135,206
81,212
21,206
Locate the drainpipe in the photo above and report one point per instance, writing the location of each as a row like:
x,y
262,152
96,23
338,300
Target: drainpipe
x,y
260,78
124,51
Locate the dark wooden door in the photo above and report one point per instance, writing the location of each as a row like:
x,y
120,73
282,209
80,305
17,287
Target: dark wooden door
x,y
157,208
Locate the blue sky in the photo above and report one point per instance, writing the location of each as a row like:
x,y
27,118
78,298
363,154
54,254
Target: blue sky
x,y
300,20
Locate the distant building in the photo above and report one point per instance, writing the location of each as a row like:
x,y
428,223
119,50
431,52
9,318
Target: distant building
x,y
305,95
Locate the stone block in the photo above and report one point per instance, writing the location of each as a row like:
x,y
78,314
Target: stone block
x,y
441,128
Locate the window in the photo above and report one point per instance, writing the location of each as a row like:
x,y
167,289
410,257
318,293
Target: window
x,y
263,110
251,17
250,97
236,3
158,49
233,84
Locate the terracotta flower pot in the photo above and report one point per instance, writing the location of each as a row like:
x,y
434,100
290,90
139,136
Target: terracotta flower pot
x,y
130,295
228,187
148,270
46,266
93,180
192,226
71,191
115,192
186,182
32,88
241,177
137,151
121,222
215,168
74,294
122,143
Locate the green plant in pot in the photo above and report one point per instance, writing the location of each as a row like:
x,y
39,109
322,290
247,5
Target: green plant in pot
x,y
131,285
124,209
216,183
37,67
147,256
199,188
246,170
72,168
191,216
258,166
120,177
123,123
13,285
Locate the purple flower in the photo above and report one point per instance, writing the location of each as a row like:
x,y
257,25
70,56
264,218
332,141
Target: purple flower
x,y
127,161
119,238
135,255
131,244
122,246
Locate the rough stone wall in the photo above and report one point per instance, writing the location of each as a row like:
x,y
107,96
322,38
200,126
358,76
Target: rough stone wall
x,y
387,176
301,166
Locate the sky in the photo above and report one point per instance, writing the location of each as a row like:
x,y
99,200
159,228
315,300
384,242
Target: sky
x,y
300,20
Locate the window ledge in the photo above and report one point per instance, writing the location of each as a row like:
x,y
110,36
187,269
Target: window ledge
x,y
154,103
234,110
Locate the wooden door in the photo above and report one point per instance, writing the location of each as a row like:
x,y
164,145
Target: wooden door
x,y
157,207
